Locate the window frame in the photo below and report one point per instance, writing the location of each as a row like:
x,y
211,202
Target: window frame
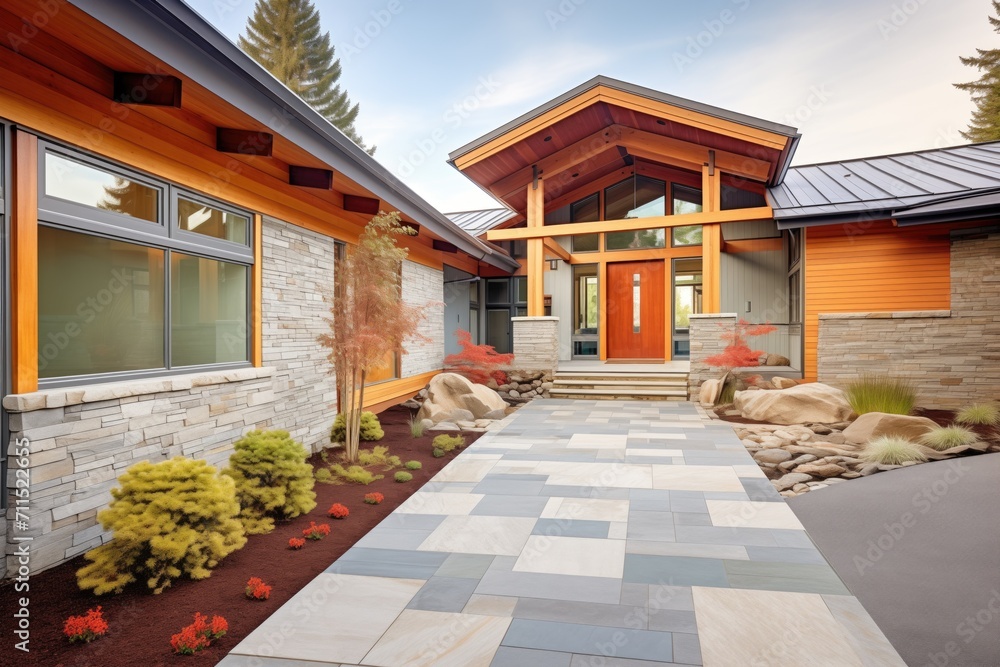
x,y
6,376
166,235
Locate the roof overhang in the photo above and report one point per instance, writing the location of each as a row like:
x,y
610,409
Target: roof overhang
x,y
177,35
580,130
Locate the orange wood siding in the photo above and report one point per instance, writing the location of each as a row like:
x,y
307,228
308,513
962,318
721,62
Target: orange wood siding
x,y
876,268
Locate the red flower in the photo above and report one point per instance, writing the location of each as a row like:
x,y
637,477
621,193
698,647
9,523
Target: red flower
x,y
86,628
199,635
374,498
338,511
257,590
316,531
296,542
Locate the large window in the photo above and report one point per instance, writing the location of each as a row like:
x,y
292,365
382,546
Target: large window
x,y
135,275
587,209
635,197
685,199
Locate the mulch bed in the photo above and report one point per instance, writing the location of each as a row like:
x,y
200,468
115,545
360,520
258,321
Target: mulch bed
x,y
141,624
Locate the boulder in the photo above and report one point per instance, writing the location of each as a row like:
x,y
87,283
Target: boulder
x,y
783,383
790,480
709,392
495,414
869,426
777,360
821,470
804,403
772,456
452,397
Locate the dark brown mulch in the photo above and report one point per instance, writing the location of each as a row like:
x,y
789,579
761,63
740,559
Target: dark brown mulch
x,y
141,624
947,418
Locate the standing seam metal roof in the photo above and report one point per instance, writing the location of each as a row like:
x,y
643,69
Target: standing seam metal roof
x,y
885,184
477,223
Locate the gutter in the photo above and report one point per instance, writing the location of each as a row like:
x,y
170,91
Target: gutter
x,y
178,36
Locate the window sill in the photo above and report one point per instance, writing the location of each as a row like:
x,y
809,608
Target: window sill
x,y
58,398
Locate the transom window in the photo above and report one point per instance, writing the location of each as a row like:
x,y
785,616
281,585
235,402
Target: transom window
x,y
136,276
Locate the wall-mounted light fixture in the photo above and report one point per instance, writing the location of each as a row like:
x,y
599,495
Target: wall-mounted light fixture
x,y
553,265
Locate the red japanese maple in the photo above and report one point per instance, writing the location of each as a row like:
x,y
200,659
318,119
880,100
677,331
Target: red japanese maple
x,y
738,353
478,363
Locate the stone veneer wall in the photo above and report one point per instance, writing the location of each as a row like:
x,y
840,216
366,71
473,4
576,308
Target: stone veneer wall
x,y
536,343
706,341
952,356
82,438
424,286
298,283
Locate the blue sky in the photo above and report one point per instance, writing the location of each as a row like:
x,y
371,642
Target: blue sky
x,y
857,77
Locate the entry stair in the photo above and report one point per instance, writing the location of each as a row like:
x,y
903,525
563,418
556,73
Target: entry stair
x,y
609,384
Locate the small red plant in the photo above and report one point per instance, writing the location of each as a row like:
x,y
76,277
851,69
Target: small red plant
x,y
257,590
738,353
316,531
86,628
338,511
478,363
199,635
374,498
296,542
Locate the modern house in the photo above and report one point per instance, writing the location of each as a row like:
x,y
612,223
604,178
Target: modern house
x,y
174,217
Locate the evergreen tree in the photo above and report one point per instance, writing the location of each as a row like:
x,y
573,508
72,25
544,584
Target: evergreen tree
x,y
985,123
284,37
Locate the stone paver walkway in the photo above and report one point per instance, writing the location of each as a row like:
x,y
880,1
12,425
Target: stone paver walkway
x,y
582,533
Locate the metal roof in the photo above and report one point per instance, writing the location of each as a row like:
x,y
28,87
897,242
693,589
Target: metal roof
x,y
176,34
478,223
691,105
922,186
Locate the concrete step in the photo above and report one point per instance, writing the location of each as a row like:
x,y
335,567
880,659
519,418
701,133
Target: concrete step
x,y
592,375
621,393
622,382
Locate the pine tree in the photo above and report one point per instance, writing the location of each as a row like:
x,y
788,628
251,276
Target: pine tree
x,y
985,123
284,37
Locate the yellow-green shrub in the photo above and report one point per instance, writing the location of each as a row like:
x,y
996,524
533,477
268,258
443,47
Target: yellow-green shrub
x,y
447,443
354,474
370,428
378,456
168,519
273,480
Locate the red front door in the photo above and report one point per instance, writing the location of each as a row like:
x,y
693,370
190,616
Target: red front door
x,y
636,310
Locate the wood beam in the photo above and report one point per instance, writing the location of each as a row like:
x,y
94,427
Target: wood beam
x,y
631,224
602,311
358,204
657,147
244,142
711,187
560,252
574,154
310,177
142,88
257,355
536,249
24,264
711,268
444,246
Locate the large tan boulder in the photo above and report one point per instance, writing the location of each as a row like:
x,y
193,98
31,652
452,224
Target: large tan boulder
x,y
871,425
812,403
450,395
708,393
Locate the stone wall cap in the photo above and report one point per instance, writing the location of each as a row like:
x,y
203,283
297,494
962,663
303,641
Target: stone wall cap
x,y
546,318
889,315
92,393
712,316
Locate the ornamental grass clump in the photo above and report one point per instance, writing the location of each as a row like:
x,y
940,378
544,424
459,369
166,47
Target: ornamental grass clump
x,y
273,480
86,628
417,427
891,450
167,519
876,392
371,429
946,437
980,414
